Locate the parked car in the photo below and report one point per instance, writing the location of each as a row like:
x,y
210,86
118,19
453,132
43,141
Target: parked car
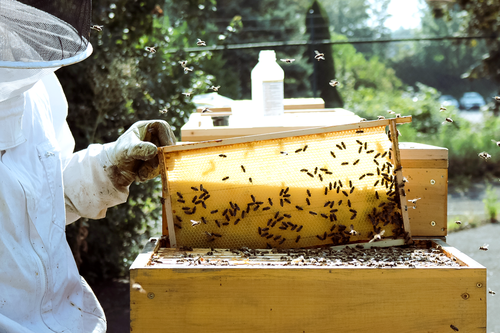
x,y
472,101
448,100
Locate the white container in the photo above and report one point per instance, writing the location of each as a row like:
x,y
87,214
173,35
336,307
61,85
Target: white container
x,y
267,85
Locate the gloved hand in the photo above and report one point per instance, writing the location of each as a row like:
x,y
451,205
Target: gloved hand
x,y
133,156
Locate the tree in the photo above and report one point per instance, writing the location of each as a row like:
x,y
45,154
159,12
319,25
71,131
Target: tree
x,y
323,70
118,85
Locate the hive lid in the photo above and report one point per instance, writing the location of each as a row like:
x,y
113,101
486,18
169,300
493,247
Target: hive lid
x,y
321,186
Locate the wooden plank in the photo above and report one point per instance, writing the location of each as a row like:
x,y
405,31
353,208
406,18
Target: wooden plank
x,y
452,252
286,134
167,215
423,164
308,300
420,151
399,177
431,185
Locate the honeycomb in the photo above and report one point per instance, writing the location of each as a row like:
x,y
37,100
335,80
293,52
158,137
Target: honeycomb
x,y
329,188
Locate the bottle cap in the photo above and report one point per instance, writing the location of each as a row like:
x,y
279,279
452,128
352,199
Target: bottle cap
x,y
266,55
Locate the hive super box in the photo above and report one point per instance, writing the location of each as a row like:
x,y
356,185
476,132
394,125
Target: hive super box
x,y
168,294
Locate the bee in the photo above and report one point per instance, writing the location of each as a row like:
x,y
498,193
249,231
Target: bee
x,y
195,223
300,228
447,120
183,63
298,150
164,111
458,222
454,328
225,178
236,222
345,163
362,176
250,180
497,98
353,232
270,201
496,142
305,147
312,213
414,201
288,61
334,83
297,239
308,202
282,241
188,69
299,207
356,162
96,27
442,108
150,49
484,247
391,112
187,94
205,110
283,153
217,222
222,155
319,56
484,155
333,154
491,291
215,88
380,117
199,42
377,236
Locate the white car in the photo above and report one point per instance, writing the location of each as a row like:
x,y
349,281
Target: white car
x,y
472,100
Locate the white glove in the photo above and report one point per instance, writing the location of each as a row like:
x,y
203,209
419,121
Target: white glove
x,y
133,156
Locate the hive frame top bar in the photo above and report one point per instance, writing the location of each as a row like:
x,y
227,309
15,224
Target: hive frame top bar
x,y
280,135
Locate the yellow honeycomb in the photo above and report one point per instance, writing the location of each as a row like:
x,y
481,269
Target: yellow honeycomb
x,y
302,191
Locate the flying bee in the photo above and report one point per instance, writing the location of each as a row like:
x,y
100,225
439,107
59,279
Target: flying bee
x,y
164,110
353,232
215,88
377,236
288,61
96,27
497,98
414,201
496,142
391,112
188,69
334,83
458,222
447,120
199,42
484,247
380,117
484,155
442,108
150,49
206,110
195,223
183,63
319,56
187,94
491,291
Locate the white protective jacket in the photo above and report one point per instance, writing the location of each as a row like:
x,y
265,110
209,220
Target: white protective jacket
x,y
44,186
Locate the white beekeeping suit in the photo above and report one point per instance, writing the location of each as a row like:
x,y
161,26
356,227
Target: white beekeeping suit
x,y
43,184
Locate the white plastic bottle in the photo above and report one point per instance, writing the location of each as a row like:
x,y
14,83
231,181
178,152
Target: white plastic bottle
x,y
267,85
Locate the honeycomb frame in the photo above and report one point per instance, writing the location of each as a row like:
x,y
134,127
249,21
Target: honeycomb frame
x,y
324,186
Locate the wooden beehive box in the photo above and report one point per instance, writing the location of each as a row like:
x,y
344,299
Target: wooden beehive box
x,y
307,290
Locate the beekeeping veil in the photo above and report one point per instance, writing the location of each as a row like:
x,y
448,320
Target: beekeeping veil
x,y
36,38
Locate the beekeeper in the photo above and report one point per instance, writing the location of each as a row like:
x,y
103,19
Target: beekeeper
x,y
43,184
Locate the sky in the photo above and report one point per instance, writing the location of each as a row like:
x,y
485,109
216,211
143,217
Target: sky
x,y
404,13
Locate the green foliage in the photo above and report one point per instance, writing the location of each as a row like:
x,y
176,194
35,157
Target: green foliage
x,y
491,204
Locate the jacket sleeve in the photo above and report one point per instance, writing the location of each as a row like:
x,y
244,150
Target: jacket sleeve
x,y
88,191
